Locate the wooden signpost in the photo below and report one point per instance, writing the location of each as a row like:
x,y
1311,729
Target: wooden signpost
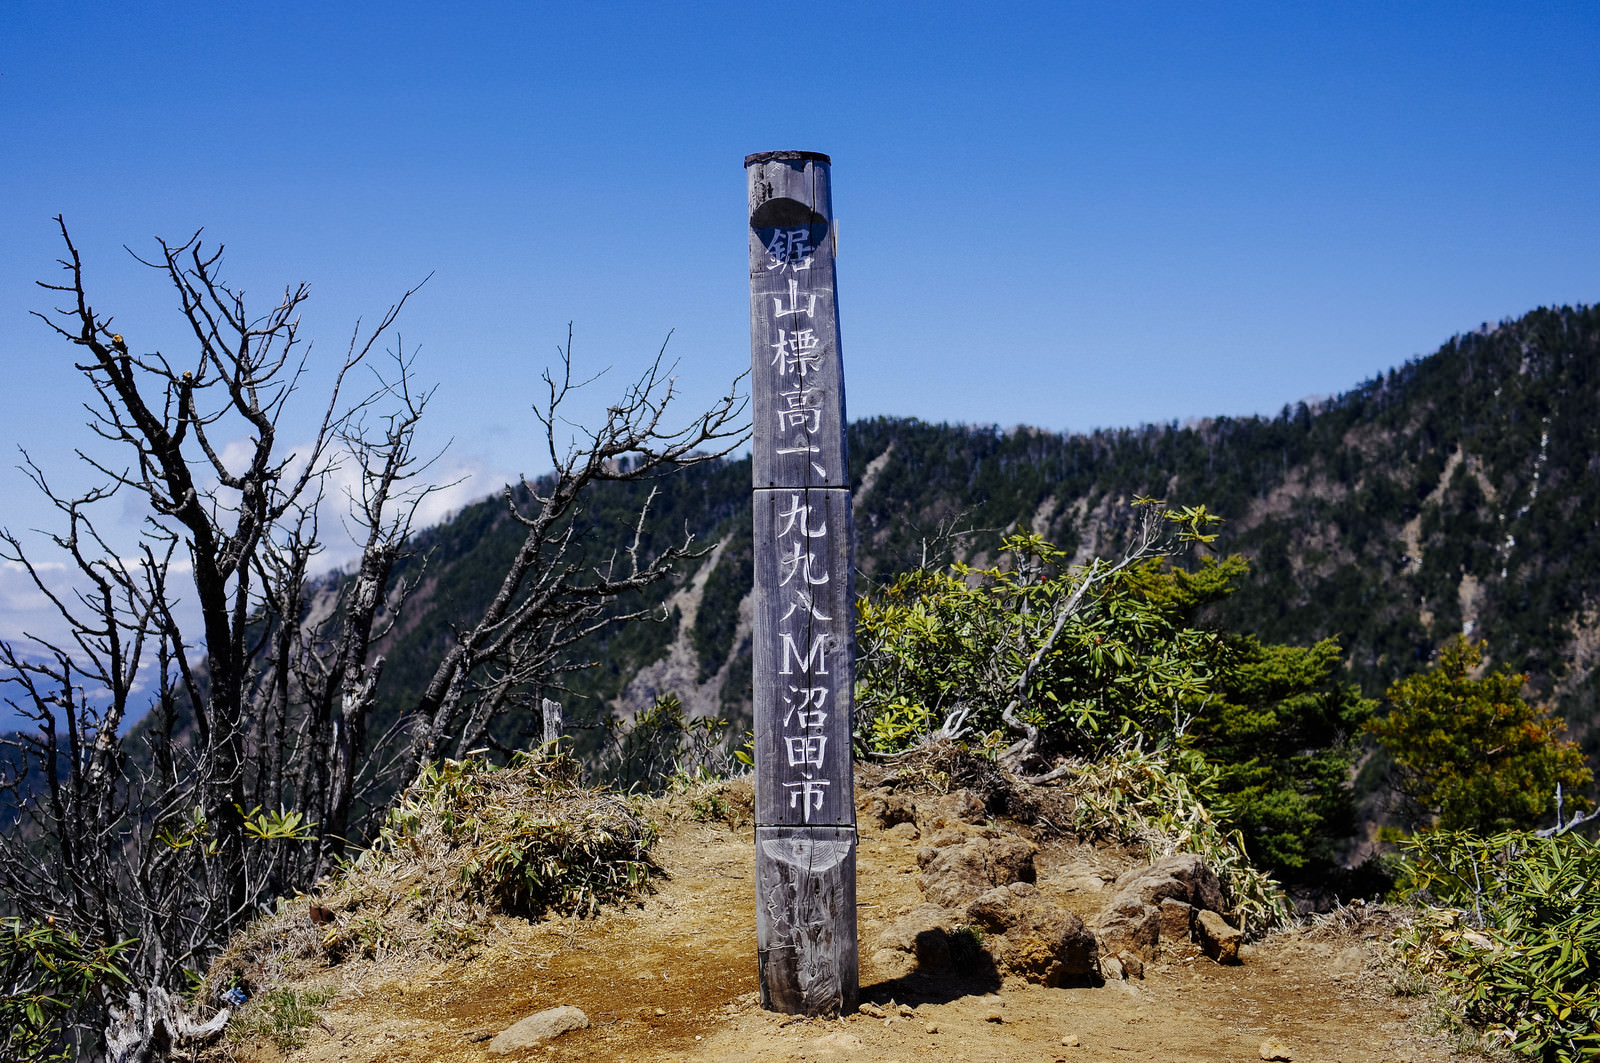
x,y
805,606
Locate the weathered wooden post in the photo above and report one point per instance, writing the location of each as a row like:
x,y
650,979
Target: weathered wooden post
x,y
552,720
805,606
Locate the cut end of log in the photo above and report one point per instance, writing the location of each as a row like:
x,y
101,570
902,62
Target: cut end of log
x,y
787,156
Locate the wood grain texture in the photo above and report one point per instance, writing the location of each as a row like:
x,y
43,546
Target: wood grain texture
x,y
552,719
797,376
804,646
806,919
797,383
805,181
803,643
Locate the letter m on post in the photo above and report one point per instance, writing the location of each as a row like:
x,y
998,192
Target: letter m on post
x,y
813,663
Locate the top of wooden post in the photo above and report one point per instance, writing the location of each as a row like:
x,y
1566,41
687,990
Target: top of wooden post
x,y
787,156
797,381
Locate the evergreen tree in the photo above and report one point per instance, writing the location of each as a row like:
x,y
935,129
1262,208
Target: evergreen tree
x,y
1472,753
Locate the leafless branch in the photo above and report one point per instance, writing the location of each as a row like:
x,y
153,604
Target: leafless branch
x,y
548,600
158,752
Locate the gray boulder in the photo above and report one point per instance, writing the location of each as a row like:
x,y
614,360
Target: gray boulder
x,y
537,1029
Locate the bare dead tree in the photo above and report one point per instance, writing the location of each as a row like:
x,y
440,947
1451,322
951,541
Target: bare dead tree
x,y
78,695
1563,824
336,669
172,777
173,422
550,598
175,836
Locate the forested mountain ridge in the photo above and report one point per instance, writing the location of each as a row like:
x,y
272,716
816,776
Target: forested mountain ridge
x,y
1460,491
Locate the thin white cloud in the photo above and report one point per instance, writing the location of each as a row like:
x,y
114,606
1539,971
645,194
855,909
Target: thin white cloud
x,y
27,614
455,481
23,607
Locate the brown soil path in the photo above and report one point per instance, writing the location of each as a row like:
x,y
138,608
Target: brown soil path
x,y
674,979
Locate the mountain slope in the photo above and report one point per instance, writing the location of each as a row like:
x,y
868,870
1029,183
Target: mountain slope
x,y
1459,492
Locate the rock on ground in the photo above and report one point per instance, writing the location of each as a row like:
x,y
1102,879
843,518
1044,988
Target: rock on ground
x,y
1158,903
1276,1051
1220,941
538,1028
962,806
957,874
891,809
1034,938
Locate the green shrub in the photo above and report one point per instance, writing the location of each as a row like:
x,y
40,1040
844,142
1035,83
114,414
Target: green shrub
x,y
46,974
1279,728
1158,800
966,946
531,863
1472,753
655,746
1093,657
1090,659
1520,951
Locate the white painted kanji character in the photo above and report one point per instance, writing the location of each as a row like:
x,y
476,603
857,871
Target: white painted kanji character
x,y
803,398
808,712
804,600
812,791
796,562
790,247
802,409
796,352
799,513
809,421
806,750
795,299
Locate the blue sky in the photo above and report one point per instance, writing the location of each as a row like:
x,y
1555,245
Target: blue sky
x,y
1065,215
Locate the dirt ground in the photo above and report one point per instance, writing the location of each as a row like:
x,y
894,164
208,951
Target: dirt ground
x,y
674,978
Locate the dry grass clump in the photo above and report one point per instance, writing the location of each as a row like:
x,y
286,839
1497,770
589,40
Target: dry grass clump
x,y
1358,919
282,1016
527,838
940,765
705,798
466,842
